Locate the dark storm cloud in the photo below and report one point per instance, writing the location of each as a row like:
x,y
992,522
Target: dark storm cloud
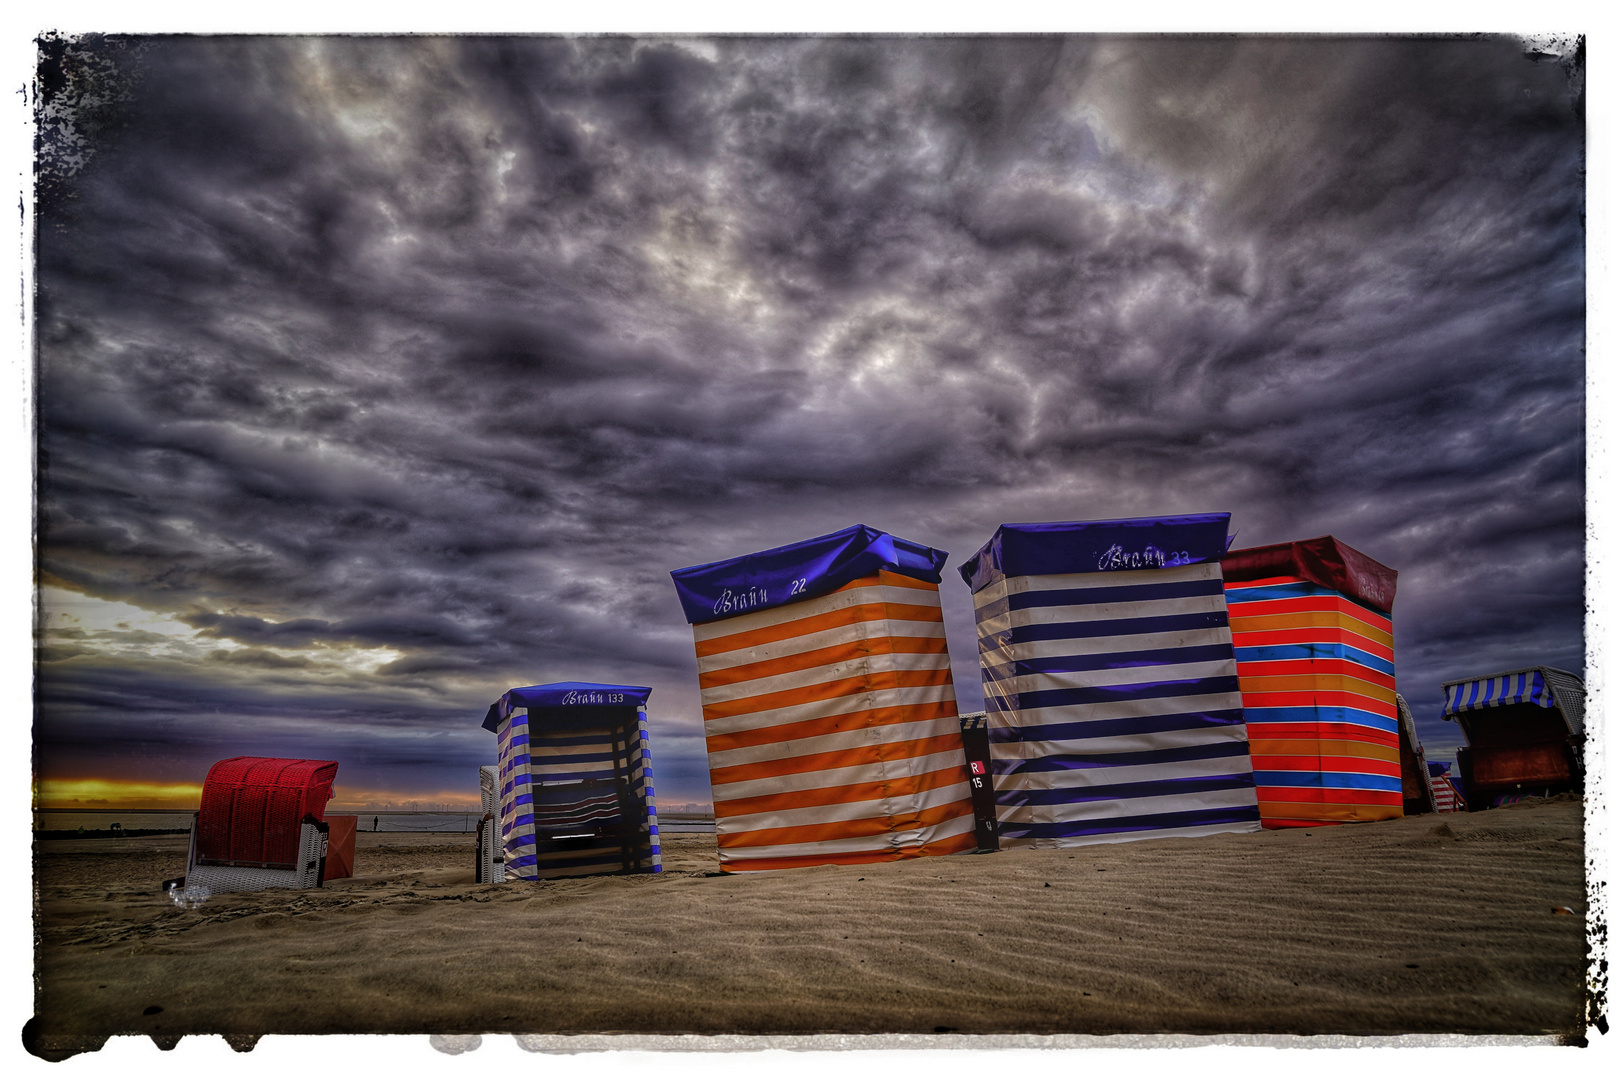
x,y
420,631
450,349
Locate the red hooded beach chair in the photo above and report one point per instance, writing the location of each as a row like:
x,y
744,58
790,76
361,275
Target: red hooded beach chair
x,y
261,824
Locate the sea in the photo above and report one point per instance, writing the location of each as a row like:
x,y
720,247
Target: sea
x,y
395,821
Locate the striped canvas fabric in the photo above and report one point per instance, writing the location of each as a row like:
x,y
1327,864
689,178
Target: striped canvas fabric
x,y
1446,797
1112,694
1317,668
1509,689
1548,687
831,729
576,793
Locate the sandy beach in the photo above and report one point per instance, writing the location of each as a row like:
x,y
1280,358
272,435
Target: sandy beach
x,y
1439,923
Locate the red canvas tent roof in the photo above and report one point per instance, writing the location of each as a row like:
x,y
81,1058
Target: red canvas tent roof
x,y
1325,560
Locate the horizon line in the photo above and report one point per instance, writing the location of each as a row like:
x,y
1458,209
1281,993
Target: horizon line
x,y
193,809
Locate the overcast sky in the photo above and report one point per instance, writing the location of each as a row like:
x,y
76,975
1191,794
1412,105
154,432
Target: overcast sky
x,y
377,376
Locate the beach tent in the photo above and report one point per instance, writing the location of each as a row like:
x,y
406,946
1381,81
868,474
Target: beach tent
x,y
490,855
1447,796
576,793
1110,682
1524,732
828,706
1316,660
1417,788
261,824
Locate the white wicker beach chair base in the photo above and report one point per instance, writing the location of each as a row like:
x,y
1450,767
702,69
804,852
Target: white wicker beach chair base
x,y
491,862
309,873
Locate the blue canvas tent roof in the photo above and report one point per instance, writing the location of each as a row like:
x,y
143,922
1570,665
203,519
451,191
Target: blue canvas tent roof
x,y
1080,547
794,572
1548,687
573,695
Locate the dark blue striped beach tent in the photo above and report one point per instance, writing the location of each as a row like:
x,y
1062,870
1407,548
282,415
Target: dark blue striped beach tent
x,y
575,780
1110,681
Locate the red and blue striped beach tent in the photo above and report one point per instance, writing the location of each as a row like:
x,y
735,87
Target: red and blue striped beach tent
x,y
828,707
1316,661
1110,683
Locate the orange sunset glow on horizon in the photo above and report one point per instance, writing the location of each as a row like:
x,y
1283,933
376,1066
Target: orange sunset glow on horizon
x,y
119,794
66,793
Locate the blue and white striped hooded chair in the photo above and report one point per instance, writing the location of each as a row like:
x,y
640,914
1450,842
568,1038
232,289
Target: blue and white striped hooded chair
x,y
1110,682
1525,733
576,793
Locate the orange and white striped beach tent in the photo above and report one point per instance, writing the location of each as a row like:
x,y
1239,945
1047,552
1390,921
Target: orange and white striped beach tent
x,y
828,707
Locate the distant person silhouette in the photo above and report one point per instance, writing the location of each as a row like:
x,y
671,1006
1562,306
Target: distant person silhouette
x,y
373,824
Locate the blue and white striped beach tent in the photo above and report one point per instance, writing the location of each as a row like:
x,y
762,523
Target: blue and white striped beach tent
x,y
1110,681
576,793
